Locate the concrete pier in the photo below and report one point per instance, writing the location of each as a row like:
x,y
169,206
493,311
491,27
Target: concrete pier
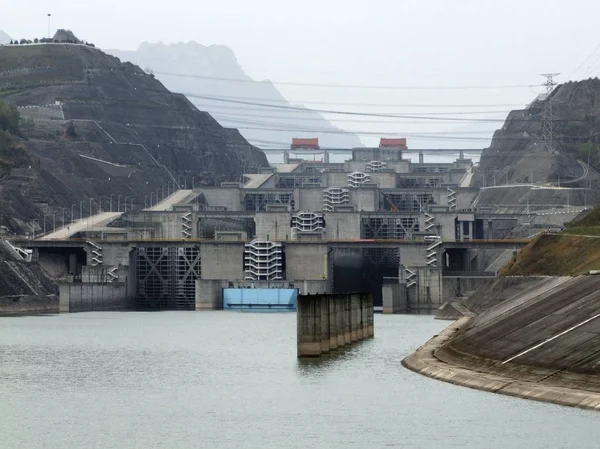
x,y
326,322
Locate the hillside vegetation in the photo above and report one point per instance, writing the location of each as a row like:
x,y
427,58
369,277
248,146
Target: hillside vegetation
x,y
574,251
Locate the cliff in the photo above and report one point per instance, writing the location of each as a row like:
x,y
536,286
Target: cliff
x,y
96,127
518,154
208,66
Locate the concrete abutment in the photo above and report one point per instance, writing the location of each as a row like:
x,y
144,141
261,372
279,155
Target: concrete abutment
x,y
326,322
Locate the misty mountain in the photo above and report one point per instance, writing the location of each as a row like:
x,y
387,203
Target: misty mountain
x,y
236,107
4,38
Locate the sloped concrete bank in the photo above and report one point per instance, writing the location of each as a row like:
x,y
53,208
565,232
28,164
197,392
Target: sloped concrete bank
x,y
563,388
28,305
541,342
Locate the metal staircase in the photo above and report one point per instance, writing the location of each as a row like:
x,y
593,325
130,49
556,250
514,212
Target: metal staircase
x,y
451,199
429,222
186,226
411,277
432,251
96,253
263,261
112,275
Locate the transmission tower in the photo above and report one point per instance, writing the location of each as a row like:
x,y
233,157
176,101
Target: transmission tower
x,y
548,116
550,83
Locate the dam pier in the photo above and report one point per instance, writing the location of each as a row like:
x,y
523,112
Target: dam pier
x,y
326,322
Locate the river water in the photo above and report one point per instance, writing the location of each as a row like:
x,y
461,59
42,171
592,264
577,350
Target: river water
x,y
231,380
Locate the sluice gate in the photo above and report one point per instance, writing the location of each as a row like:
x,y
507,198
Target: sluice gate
x,y
166,277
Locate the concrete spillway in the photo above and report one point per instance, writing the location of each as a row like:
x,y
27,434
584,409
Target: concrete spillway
x,y
543,344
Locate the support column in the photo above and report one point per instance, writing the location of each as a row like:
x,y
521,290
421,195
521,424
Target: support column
x,y
324,316
308,322
421,158
360,332
333,332
370,318
340,320
326,157
73,264
286,157
347,320
64,298
354,305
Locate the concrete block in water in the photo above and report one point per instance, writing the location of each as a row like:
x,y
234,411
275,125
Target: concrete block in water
x,y
326,322
308,322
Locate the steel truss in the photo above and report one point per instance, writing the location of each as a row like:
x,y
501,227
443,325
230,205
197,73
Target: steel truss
x,y
166,277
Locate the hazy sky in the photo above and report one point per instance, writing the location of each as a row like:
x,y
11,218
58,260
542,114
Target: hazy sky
x,y
375,42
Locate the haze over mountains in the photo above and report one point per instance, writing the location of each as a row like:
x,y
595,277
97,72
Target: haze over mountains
x,y
210,66
4,38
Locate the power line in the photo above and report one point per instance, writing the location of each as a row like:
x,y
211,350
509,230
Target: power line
x,y
293,126
234,117
584,61
346,86
331,111
503,111
291,102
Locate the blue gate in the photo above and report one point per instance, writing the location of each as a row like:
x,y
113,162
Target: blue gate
x,y
261,299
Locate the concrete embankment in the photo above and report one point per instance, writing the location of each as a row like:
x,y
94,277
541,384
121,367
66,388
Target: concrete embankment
x,y
28,305
541,344
492,292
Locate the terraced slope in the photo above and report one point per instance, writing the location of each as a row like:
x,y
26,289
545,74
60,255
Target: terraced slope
x,y
96,127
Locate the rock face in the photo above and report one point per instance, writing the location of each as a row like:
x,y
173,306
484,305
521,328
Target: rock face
x,y
96,127
260,125
18,277
518,154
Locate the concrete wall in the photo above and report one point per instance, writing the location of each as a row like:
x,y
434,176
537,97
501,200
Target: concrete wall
x,y
230,198
273,225
342,225
465,197
396,166
306,261
209,294
114,254
93,297
427,295
222,260
364,199
384,180
310,199
460,287
413,255
394,297
335,179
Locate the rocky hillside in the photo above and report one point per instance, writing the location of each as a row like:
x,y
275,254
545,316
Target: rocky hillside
x,y
258,124
517,153
96,127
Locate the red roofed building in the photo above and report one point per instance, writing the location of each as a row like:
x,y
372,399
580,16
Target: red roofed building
x,y
305,144
399,143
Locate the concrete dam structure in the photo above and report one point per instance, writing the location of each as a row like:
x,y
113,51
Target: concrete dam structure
x,y
407,232
328,322
542,343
